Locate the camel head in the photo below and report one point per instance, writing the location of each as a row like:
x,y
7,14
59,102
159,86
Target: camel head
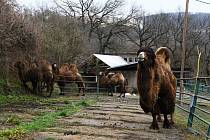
x,y
146,56
55,68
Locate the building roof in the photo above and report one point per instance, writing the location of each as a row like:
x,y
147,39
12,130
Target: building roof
x,y
111,60
126,67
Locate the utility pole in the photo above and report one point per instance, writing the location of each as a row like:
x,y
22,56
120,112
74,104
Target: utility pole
x,y
185,26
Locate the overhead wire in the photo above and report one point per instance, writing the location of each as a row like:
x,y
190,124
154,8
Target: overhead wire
x,y
203,2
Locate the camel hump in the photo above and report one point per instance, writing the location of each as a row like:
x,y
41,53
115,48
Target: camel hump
x,y
43,65
163,56
64,68
73,68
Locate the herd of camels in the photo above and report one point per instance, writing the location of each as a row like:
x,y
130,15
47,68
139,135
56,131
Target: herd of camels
x,y
42,74
156,83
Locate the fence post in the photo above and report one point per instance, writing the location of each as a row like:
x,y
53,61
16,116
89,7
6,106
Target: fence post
x,y
193,104
97,74
208,133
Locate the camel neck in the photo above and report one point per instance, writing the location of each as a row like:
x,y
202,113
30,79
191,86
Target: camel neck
x,y
145,79
21,73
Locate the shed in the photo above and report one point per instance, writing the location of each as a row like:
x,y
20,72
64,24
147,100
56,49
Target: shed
x,y
111,60
105,62
129,71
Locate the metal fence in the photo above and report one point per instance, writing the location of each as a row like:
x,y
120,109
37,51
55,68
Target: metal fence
x,y
195,102
71,86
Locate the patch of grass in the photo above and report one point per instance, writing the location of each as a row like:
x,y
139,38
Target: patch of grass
x,y
63,113
12,134
181,119
67,102
49,139
13,120
40,123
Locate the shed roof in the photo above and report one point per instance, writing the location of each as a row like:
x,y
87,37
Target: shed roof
x,y
111,60
127,67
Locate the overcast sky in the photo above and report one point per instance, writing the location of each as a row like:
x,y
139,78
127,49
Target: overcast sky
x,y
150,6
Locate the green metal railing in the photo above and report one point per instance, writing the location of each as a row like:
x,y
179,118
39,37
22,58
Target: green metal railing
x,y
193,91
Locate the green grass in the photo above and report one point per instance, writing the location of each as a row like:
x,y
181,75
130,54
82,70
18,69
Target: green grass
x,y
13,120
42,119
49,139
181,119
42,122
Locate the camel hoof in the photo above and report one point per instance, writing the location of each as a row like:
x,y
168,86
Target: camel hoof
x,y
166,124
172,122
159,119
154,126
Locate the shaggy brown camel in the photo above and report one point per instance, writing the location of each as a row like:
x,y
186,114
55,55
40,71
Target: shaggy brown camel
x,y
26,75
110,80
155,86
47,75
68,73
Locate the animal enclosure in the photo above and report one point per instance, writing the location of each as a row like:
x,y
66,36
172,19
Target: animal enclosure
x,y
194,102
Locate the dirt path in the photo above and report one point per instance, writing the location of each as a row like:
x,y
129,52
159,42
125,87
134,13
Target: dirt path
x,y
109,119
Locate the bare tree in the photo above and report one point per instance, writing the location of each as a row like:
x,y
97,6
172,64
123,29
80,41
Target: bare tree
x,y
147,30
101,22
61,36
18,38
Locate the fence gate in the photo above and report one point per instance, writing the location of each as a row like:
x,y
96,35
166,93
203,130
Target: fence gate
x,y
195,102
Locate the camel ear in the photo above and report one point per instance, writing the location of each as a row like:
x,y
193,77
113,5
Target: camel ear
x,y
138,53
154,56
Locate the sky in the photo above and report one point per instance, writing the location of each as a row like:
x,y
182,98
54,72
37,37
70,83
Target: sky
x,y
150,6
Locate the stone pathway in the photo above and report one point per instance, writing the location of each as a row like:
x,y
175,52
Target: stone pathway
x,y
109,119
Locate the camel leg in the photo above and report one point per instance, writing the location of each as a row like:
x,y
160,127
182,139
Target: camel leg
x,y
166,123
26,87
83,89
121,94
35,87
159,119
172,118
154,124
123,91
79,89
50,88
40,87
61,90
110,91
